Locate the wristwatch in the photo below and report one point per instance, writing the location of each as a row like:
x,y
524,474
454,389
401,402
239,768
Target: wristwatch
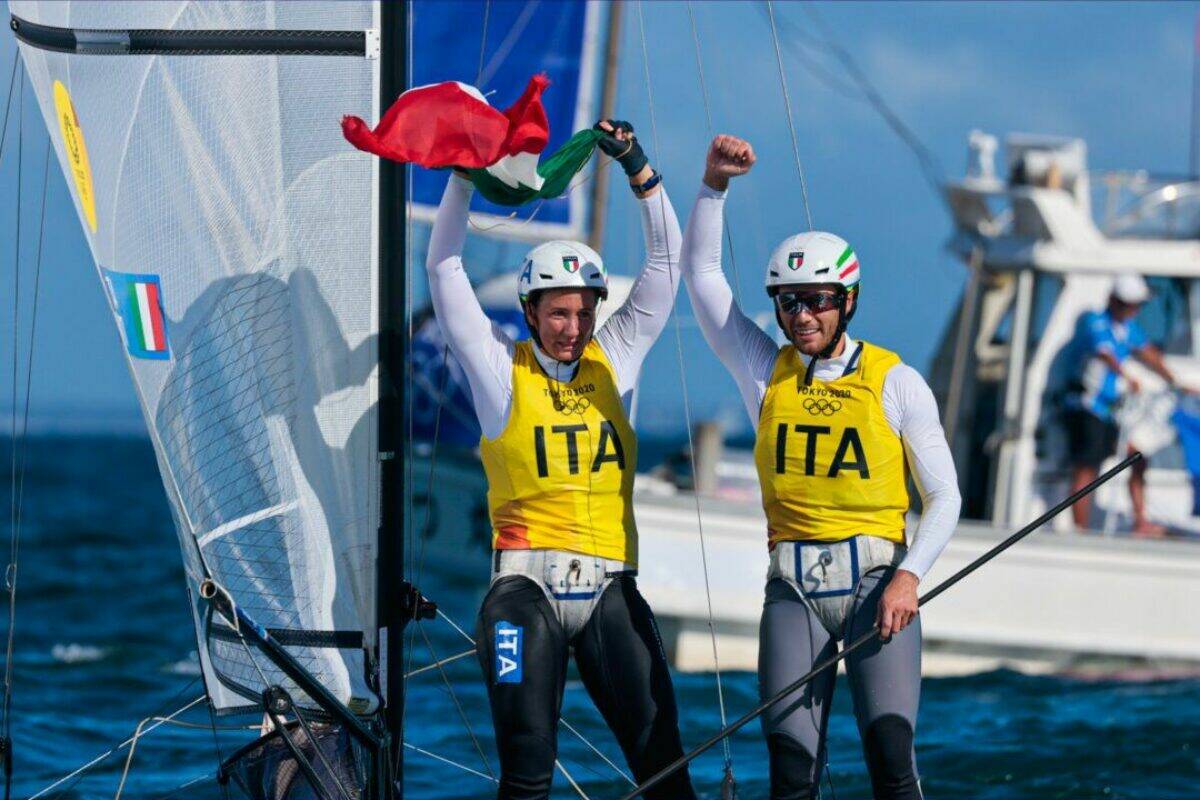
x,y
654,180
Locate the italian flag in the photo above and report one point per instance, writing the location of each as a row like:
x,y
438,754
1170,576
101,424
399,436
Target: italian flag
x,y
145,306
137,299
847,264
451,124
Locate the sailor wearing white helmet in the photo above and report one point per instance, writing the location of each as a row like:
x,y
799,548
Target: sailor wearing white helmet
x,y
1103,343
841,426
560,456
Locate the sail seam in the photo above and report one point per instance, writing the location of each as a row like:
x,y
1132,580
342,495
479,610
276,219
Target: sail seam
x,y
227,528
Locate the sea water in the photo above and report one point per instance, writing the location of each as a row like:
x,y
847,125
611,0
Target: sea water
x,y
104,640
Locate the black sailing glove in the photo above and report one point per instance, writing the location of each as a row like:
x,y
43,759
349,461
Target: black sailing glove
x,y
627,153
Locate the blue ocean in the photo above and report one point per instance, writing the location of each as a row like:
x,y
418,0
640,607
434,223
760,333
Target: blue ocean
x,y
104,641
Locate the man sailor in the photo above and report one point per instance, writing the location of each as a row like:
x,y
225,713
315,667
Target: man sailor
x,y
560,455
841,425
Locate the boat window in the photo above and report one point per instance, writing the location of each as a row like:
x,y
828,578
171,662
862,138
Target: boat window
x,y
1166,318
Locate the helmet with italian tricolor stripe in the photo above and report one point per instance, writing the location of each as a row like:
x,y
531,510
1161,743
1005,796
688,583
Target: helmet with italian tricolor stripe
x,y
810,258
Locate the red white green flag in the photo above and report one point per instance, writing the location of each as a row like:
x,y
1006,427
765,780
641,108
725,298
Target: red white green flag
x,y
137,299
451,124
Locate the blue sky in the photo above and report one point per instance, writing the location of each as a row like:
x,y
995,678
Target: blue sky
x,y
1118,75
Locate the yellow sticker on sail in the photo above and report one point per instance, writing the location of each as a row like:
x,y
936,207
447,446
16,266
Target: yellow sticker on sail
x,y
77,154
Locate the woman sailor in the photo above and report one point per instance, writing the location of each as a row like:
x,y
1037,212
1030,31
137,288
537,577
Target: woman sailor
x,y
841,425
560,456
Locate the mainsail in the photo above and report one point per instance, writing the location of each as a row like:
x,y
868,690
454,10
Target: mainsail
x,y
254,265
236,236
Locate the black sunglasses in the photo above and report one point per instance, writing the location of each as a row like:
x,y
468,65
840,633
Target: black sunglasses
x,y
815,302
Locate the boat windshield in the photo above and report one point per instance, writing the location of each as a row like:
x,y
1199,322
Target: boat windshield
x,y
1167,317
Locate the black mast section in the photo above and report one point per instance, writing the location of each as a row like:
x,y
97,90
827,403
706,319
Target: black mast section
x,y
391,600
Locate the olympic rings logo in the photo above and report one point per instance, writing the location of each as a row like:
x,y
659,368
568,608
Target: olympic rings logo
x,y
819,405
571,405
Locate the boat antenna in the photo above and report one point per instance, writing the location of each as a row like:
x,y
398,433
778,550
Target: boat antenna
x,y
873,634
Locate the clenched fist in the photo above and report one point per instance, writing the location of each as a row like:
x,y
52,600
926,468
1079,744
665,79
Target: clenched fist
x,y
728,157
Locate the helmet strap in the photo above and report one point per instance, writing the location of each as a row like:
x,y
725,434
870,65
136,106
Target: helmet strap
x,y
829,348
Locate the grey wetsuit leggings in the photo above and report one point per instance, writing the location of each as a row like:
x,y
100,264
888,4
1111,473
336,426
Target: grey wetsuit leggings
x,y
885,680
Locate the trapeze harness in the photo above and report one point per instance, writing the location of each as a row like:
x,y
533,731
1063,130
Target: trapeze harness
x,y
560,457
833,458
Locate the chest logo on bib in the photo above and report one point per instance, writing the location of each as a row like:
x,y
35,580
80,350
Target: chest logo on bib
x,y
848,457
608,446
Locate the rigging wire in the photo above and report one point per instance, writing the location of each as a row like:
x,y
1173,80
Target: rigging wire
x,y
931,168
561,719
10,574
737,278
445,760
79,772
687,414
462,714
787,102
438,664
441,393
8,102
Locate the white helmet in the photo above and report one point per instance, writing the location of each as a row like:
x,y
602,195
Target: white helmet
x,y
562,265
1131,288
813,257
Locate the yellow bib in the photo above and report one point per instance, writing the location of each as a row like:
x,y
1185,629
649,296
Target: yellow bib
x,y
560,474
829,464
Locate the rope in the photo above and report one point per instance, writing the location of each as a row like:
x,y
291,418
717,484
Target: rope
x,y
189,784
687,414
787,102
160,721
436,665
737,278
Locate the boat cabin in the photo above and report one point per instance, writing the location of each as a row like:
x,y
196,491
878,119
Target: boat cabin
x,y
1043,239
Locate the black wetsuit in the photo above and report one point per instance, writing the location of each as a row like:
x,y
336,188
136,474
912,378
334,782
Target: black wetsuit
x,y
620,658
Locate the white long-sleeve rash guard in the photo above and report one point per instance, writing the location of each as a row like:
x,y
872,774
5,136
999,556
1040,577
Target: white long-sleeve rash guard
x,y
749,354
486,352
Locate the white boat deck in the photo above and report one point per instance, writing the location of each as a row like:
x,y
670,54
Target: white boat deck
x,y
1055,601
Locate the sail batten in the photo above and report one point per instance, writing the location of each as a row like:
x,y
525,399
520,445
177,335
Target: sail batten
x,y
235,234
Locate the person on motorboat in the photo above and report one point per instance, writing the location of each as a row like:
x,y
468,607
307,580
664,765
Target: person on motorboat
x,y
841,425
560,455
1103,344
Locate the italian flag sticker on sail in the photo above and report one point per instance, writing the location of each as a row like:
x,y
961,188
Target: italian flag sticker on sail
x,y
137,299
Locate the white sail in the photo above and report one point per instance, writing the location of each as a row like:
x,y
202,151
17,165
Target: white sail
x,y
236,234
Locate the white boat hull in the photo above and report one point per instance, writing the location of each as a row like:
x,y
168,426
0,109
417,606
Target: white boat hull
x,y
1055,602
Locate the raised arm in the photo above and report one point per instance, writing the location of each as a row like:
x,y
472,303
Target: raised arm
x,y
744,348
631,331
484,351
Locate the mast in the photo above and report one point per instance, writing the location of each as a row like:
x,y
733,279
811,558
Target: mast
x,y
392,601
598,213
